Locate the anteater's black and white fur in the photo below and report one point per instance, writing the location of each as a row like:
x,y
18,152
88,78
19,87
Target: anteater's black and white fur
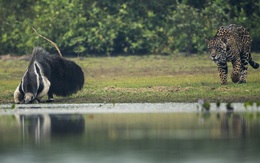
x,y
48,74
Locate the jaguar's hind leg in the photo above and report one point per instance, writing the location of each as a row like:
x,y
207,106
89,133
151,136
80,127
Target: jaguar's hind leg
x,y
223,70
243,69
243,75
235,75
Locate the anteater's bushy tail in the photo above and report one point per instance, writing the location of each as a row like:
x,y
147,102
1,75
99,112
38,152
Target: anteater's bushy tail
x,y
67,77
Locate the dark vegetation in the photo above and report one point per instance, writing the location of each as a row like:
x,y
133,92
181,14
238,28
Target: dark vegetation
x,y
117,27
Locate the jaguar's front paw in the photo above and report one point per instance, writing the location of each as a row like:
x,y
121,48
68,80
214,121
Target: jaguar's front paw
x,y
242,81
235,78
224,83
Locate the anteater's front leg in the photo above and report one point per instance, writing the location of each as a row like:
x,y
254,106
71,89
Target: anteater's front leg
x,y
50,96
18,95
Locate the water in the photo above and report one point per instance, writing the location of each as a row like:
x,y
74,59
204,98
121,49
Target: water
x,y
140,133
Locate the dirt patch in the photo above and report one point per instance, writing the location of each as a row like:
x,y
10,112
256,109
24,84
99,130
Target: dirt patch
x,y
222,89
148,89
11,57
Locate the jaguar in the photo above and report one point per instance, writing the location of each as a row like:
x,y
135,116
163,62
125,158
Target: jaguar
x,y
232,44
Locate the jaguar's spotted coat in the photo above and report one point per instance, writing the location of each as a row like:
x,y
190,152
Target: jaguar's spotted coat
x,y
232,44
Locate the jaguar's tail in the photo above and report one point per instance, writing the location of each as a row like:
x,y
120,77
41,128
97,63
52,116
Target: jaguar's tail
x,y
255,65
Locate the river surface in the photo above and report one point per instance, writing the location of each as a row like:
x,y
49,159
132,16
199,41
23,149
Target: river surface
x,y
129,133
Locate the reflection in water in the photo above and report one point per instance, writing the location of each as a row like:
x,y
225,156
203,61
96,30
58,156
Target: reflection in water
x,y
233,125
41,127
152,137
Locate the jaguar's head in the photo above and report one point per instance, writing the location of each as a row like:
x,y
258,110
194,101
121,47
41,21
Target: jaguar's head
x,y
217,49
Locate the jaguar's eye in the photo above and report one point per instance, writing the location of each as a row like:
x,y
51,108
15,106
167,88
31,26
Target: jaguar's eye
x,y
228,48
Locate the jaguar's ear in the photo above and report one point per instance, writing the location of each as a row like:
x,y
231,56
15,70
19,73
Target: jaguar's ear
x,y
207,40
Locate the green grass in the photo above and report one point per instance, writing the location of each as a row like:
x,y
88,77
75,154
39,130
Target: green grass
x,y
144,79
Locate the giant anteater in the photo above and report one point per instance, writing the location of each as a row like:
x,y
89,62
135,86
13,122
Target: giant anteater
x,y
48,74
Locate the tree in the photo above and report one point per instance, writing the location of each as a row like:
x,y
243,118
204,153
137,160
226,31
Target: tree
x,y
118,27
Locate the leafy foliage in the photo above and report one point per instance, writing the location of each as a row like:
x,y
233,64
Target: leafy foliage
x,y
112,27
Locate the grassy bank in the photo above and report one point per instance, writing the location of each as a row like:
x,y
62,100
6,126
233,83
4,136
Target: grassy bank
x,y
144,79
